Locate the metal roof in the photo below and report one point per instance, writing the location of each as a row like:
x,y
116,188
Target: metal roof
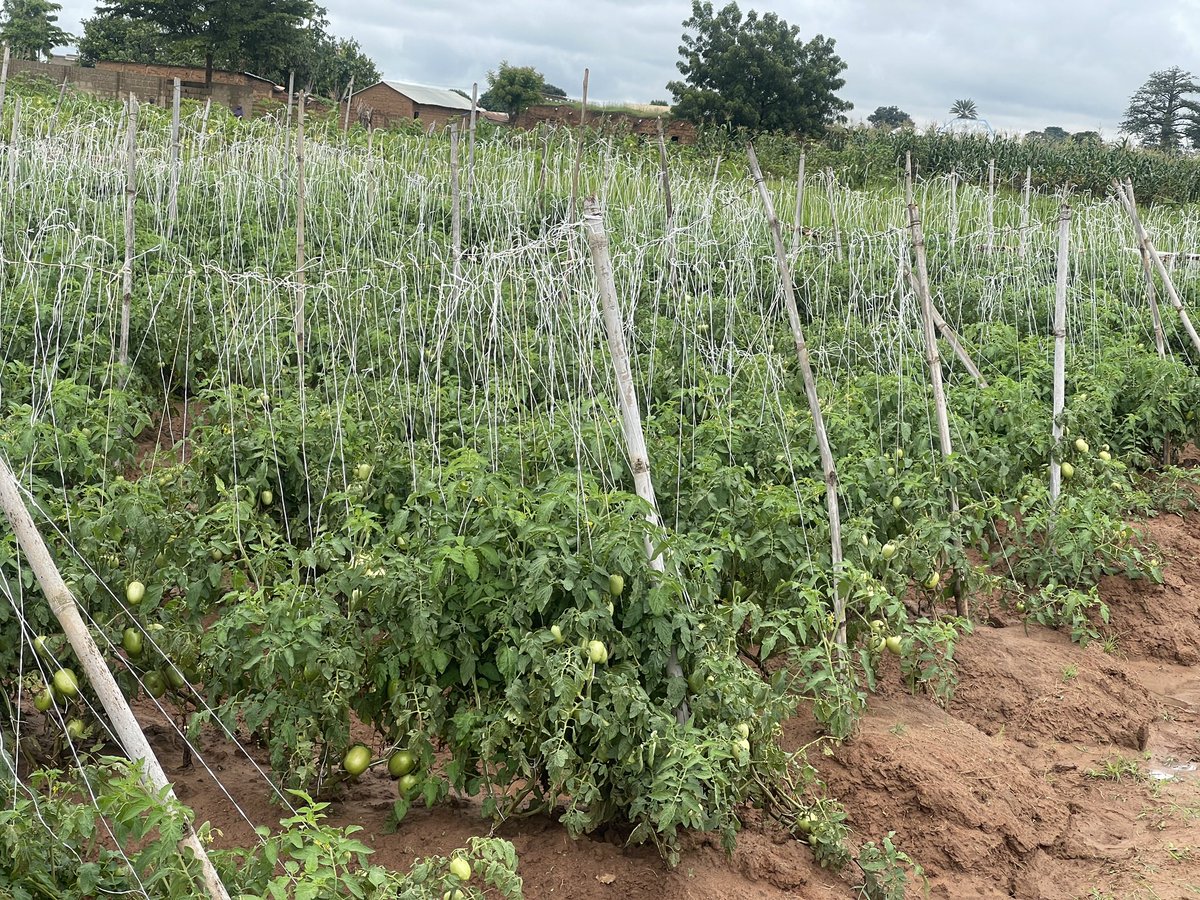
x,y
430,96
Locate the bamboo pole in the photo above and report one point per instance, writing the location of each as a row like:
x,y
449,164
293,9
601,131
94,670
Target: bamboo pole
x,y
130,206
665,175
1168,283
471,146
571,208
798,217
349,101
13,142
837,231
814,400
990,244
934,363
298,310
1024,236
176,156
631,418
124,723
1060,346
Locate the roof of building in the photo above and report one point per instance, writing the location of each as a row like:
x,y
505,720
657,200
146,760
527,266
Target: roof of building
x,y
429,96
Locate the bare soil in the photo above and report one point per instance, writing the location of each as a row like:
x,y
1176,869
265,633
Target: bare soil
x,y
1056,772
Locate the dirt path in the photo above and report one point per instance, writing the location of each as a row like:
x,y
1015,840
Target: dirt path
x,y
1055,773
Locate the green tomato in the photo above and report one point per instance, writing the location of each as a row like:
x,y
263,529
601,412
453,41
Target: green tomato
x,y
616,584
460,869
356,760
75,729
155,684
891,470
267,498
131,640
175,678
899,453
401,763
1105,456
897,503
1020,606
1081,445
743,729
135,592
597,652
556,633
44,700
889,550
893,645
66,684
932,581
407,784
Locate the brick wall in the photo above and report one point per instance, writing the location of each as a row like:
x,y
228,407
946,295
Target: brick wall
x,y
385,106
116,83
676,130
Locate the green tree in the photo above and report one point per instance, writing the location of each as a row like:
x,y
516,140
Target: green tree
x,y
755,72
512,89
324,63
1055,133
123,39
964,109
239,34
1164,112
30,28
890,117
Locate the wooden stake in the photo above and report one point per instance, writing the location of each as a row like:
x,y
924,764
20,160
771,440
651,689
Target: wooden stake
x,y
814,400
1168,283
455,197
1148,278
62,90
203,129
991,208
1024,236
798,218
952,212
837,232
934,363
130,205
349,100
298,311
58,595
471,147
578,151
3,78
13,143
665,175
176,156
1060,346
631,418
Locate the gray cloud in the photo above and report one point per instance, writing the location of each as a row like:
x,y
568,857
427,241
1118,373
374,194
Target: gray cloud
x,y
1026,63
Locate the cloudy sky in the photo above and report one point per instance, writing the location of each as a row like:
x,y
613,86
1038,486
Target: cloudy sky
x,y
1026,63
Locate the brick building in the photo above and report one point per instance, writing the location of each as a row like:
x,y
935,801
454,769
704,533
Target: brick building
x,y
390,102
676,131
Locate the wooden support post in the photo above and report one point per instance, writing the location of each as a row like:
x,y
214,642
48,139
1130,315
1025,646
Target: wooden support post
x,y
830,180
62,603
631,418
14,142
952,209
1024,236
471,146
573,205
1058,403
990,244
298,320
814,399
665,175
1148,278
934,364
130,206
1168,282
3,78
455,198
203,129
62,90
798,216
176,158
349,100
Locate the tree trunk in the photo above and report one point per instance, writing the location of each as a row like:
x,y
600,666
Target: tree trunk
x,y
208,68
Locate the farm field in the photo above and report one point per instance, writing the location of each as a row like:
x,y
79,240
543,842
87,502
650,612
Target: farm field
x,y
356,521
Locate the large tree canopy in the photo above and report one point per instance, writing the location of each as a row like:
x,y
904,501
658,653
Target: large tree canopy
x,y
756,72
889,117
512,89
242,34
30,28
1165,111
